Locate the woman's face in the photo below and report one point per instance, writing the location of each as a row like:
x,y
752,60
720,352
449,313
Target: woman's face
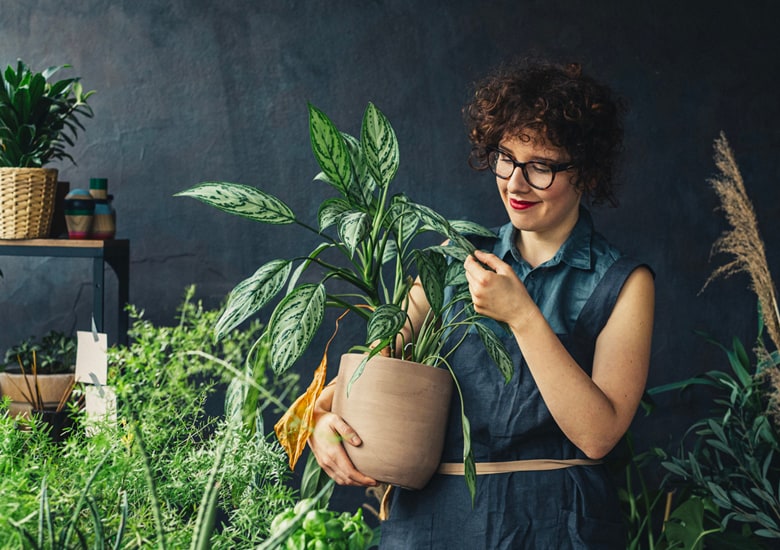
x,y
550,211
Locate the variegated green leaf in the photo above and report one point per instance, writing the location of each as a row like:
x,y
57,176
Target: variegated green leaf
x,y
401,218
496,350
251,294
438,223
453,251
465,227
294,323
380,146
242,200
330,150
363,185
432,268
331,211
469,465
234,400
385,322
390,252
456,274
353,227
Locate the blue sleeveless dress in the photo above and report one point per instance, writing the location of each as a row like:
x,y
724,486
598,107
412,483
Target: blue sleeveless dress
x,y
571,508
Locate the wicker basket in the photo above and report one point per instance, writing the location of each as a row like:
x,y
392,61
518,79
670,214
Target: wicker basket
x,y
26,202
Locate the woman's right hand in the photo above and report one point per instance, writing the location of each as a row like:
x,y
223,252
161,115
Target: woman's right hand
x,y
327,442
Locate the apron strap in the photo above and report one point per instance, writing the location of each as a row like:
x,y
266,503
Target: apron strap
x,y
534,465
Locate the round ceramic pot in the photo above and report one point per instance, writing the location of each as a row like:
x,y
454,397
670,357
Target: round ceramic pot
x,y
399,409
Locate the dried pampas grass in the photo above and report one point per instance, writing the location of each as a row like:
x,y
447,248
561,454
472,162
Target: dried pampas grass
x,y
743,241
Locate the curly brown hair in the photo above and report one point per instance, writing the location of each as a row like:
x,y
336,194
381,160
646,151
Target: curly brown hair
x,y
562,105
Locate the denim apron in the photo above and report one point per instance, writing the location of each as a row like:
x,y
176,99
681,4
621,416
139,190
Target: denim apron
x,y
571,508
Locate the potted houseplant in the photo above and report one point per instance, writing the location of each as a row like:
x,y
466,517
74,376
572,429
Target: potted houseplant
x,y
38,119
38,375
367,261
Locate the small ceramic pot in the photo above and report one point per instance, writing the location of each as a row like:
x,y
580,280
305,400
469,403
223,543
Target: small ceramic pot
x,y
79,213
104,225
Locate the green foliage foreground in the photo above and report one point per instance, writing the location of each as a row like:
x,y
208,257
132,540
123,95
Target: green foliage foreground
x,y
140,482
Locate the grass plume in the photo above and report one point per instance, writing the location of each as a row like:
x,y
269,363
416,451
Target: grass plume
x,y
743,241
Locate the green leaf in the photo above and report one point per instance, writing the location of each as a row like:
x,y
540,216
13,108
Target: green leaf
x,y
353,228
496,350
469,465
740,363
436,222
686,524
294,323
402,220
331,211
251,294
379,145
465,227
453,251
719,445
717,492
390,252
432,268
766,521
456,274
242,200
363,185
313,480
330,150
386,321
743,500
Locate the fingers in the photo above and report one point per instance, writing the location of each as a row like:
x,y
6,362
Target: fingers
x,y
326,443
489,261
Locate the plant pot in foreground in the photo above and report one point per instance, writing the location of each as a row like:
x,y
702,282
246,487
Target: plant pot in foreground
x,y
400,411
52,388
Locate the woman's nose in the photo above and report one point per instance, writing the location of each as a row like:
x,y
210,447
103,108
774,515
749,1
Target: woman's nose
x,y
517,182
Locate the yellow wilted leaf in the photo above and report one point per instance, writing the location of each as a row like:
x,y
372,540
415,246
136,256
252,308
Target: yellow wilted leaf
x,y
295,426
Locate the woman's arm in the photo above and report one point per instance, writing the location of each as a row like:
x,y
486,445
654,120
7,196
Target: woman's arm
x,y
593,412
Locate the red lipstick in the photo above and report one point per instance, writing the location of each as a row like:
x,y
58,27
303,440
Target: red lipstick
x,y
521,205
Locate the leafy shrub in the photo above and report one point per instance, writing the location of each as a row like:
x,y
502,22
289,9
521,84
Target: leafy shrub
x,y
156,458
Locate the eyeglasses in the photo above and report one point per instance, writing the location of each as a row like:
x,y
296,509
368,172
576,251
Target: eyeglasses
x,y
539,175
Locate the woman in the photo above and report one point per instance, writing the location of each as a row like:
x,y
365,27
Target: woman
x,y
580,316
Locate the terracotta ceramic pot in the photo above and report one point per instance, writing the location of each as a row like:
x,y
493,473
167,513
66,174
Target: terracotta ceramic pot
x,y
52,387
400,410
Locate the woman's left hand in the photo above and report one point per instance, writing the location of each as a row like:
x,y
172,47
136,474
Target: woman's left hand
x,y
495,289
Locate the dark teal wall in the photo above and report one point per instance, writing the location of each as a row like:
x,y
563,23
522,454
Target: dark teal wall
x,y
196,90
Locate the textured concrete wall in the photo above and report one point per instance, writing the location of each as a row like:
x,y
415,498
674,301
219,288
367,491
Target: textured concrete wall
x,y
196,90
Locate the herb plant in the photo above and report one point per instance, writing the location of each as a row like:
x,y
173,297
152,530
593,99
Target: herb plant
x,y
165,474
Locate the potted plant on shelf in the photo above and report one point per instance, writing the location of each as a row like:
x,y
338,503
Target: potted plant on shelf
x,y
38,376
366,263
38,119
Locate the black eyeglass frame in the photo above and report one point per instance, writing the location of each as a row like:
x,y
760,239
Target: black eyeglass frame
x,y
554,168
